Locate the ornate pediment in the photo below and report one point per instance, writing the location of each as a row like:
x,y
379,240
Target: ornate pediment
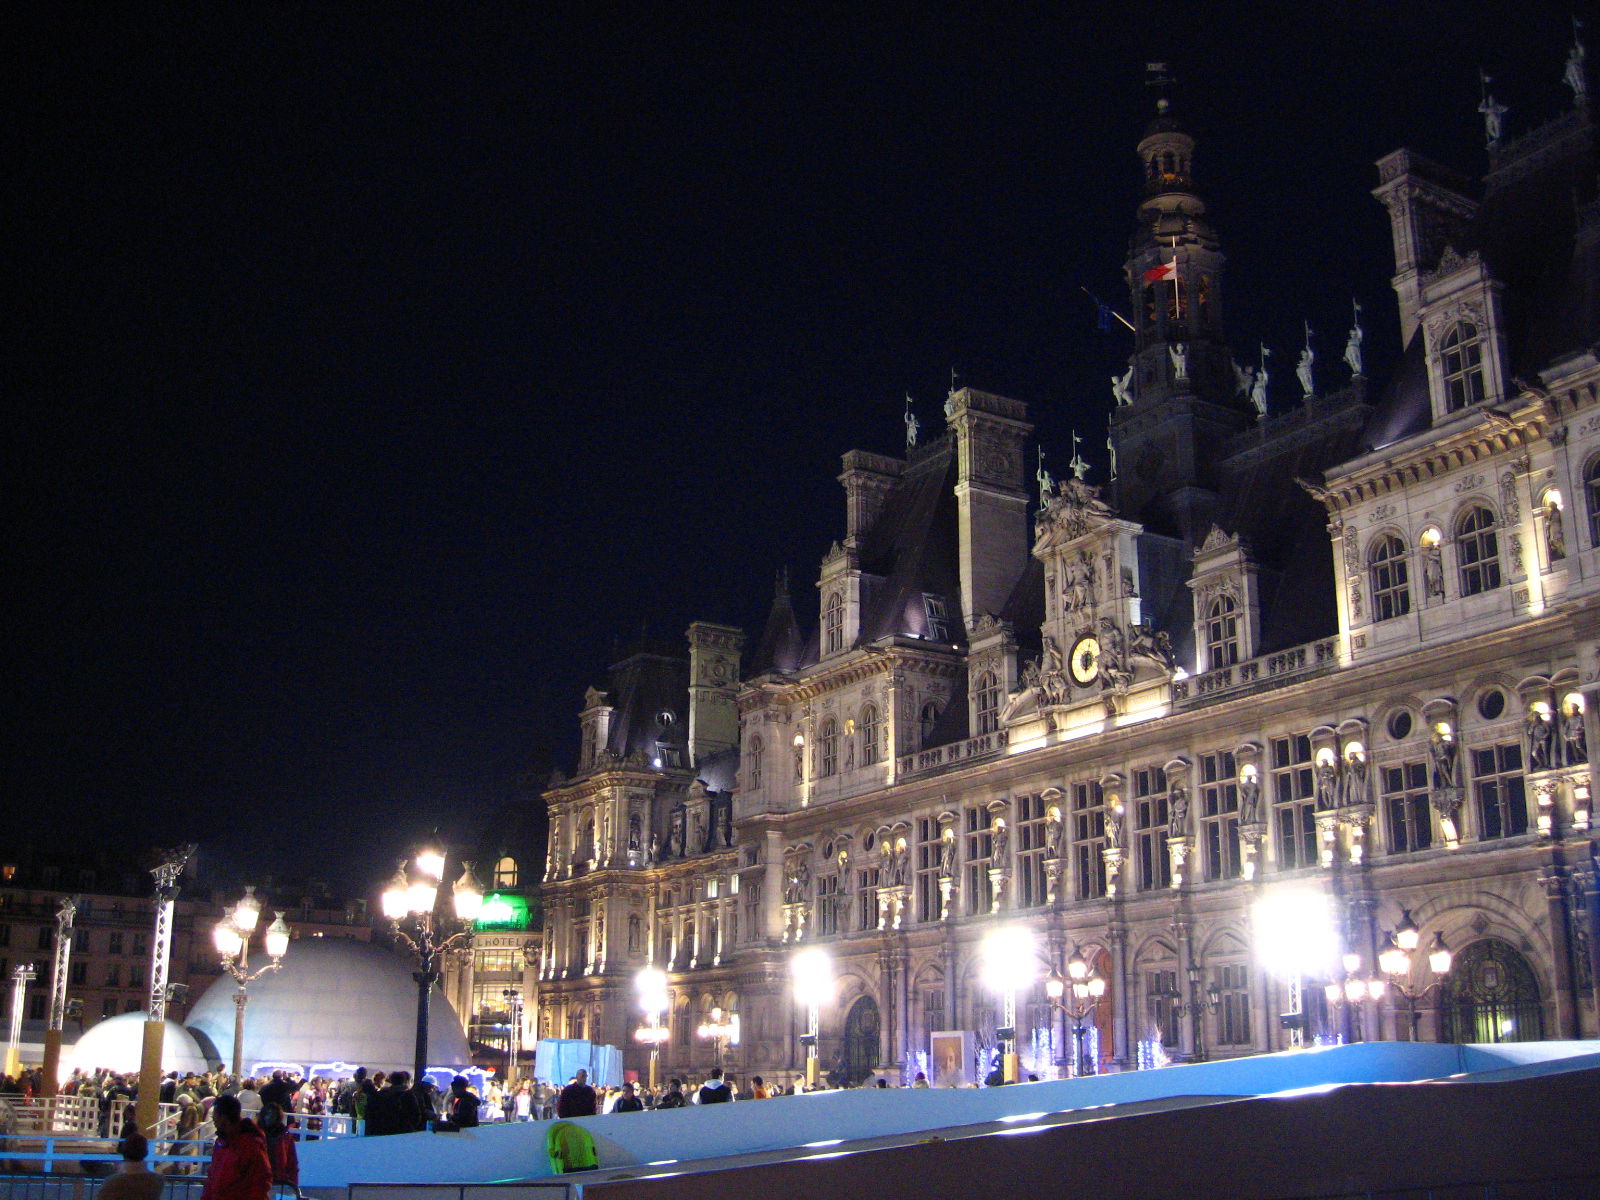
x,y
1075,510
1217,540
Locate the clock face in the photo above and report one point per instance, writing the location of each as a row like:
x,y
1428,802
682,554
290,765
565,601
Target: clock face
x,y
1085,659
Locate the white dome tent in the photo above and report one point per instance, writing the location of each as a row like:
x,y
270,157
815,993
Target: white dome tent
x,y
117,1043
332,1001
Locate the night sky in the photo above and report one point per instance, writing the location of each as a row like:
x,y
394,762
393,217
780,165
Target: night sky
x,y
377,366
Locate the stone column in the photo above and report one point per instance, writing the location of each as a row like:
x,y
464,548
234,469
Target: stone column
x,y
1187,1040
1121,993
772,888
1554,878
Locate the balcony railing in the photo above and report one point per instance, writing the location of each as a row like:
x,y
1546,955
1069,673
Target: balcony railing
x,y
1280,667
934,757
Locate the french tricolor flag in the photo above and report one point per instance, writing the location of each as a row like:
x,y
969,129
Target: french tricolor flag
x,y
1159,272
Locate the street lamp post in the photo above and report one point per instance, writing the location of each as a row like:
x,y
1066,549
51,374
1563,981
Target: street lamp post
x,y
1397,960
21,977
719,1028
148,1107
1009,966
58,995
812,970
1356,987
651,984
513,997
411,904
1088,987
232,937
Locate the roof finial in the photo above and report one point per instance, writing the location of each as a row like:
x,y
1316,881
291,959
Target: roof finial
x,y
1493,112
1079,467
1574,76
1156,76
1047,484
913,426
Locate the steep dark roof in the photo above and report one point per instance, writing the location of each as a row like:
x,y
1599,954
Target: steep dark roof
x,y
782,646
645,685
911,548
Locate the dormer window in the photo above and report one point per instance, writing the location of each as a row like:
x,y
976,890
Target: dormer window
x,y
869,734
986,702
1591,495
1222,633
937,617
1461,357
927,719
756,749
833,624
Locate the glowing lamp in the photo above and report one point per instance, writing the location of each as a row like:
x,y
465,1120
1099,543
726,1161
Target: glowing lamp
x,y
277,938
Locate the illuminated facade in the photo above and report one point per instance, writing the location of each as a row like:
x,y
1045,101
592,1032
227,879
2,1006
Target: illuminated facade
x,y
1342,643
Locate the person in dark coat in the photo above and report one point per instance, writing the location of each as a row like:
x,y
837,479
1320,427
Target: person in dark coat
x,y
461,1107
674,1097
394,1109
629,1100
577,1099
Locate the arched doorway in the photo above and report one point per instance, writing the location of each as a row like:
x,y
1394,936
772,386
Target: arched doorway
x,y
860,1053
1490,995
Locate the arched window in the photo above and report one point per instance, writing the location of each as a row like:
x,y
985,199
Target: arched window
x,y
756,747
987,698
1490,995
928,718
1591,495
1222,633
505,873
1461,356
828,748
1477,551
833,624
1391,593
869,728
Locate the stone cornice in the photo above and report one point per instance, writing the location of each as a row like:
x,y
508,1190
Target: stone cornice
x,y
1483,434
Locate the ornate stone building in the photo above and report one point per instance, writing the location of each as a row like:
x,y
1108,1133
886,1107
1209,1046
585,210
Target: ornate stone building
x,y
1346,649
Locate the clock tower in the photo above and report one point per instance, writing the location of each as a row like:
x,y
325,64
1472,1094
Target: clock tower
x,y
1180,401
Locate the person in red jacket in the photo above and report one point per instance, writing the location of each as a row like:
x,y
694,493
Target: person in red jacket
x,y
239,1167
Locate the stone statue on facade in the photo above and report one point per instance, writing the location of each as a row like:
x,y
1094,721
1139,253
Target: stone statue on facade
x,y
1327,784
947,855
652,853
1494,113
1555,533
1054,835
913,426
1177,809
1433,571
1258,387
1536,729
1572,736
635,831
676,845
1574,76
1250,800
1355,780
1352,346
1179,353
1302,369
1121,388
1153,646
1000,844
1114,825
1442,750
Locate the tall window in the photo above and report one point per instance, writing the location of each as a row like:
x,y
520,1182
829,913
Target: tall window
x,y
1161,1004
870,728
1405,805
1391,594
1461,355
1591,495
751,891
867,898
929,845
505,873
828,748
927,719
987,695
1222,633
833,624
1219,815
827,905
1088,841
1150,828
1031,889
1502,798
756,749
1233,1013
1477,552
980,896
1294,801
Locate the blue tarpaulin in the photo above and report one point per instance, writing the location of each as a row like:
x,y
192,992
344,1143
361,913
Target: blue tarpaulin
x,y
557,1059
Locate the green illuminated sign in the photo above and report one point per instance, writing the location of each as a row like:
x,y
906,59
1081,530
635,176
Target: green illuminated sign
x,y
501,911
